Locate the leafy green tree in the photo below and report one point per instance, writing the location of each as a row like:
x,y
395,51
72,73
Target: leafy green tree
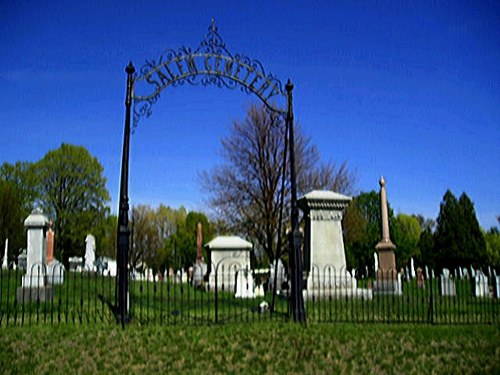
x,y
182,245
406,236
426,246
11,220
459,241
23,176
72,191
362,229
492,238
147,241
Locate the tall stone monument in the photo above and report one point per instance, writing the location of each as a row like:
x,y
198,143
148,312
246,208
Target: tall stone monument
x,y
200,267
34,282
387,280
324,255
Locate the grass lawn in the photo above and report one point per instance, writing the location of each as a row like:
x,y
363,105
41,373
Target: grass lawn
x,y
265,347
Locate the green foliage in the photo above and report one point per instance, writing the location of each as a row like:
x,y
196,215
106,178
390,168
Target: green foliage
x,y
492,238
11,220
406,234
72,191
362,229
459,241
181,246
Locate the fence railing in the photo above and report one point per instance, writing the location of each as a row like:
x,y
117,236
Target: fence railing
x,y
234,294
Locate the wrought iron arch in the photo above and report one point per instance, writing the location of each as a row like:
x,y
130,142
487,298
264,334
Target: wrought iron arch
x,y
211,63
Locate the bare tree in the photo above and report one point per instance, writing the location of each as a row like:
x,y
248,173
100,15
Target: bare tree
x,y
245,191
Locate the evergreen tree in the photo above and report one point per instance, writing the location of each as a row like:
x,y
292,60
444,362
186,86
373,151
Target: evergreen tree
x,y
459,241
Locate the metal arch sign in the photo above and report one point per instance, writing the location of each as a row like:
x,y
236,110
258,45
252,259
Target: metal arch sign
x,y
210,63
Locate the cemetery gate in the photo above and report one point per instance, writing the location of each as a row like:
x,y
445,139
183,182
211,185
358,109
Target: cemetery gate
x,y
211,63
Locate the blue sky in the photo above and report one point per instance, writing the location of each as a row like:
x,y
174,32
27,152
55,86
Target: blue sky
x,y
408,90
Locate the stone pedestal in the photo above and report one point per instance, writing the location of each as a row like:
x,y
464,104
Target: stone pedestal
x,y
34,282
324,255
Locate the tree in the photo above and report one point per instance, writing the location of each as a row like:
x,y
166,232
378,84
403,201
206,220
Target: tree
x,y
72,191
147,240
492,238
11,220
181,247
245,191
362,229
459,241
407,233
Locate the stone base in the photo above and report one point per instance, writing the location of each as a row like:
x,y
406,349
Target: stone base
x,y
392,287
27,295
338,293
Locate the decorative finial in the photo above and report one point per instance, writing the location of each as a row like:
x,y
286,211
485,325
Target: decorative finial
x,y
382,181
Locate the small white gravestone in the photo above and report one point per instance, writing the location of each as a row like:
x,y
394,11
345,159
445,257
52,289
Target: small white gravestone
x,y
5,263
199,272
34,284
412,269
496,281
481,288
375,257
277,271
447,284
89,253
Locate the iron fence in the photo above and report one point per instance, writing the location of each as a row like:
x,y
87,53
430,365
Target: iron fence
x,y
235,294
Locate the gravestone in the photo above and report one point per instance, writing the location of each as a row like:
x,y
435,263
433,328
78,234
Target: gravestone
x,y
277,271
324,254
89,253
447,284
200,267
34,283
5,263
229,265
480,283
496,284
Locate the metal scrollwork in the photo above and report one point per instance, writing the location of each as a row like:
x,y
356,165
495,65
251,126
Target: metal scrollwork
x,y
211,63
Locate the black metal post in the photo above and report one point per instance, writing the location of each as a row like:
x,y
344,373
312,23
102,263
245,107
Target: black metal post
x,y
123,237
297,299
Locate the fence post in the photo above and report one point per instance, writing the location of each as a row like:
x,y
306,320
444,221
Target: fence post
x,y
430,311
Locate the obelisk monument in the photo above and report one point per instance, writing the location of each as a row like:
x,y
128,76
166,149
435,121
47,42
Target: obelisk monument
x,y
385,248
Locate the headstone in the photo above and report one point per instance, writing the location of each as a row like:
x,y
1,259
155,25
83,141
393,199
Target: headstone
x,y
89,253
481,288
324,254
34,284
412,269
375,256
75,263
228,259
5,263
496,284
420,278
276,272
447,284
22,260
472,272
244,284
